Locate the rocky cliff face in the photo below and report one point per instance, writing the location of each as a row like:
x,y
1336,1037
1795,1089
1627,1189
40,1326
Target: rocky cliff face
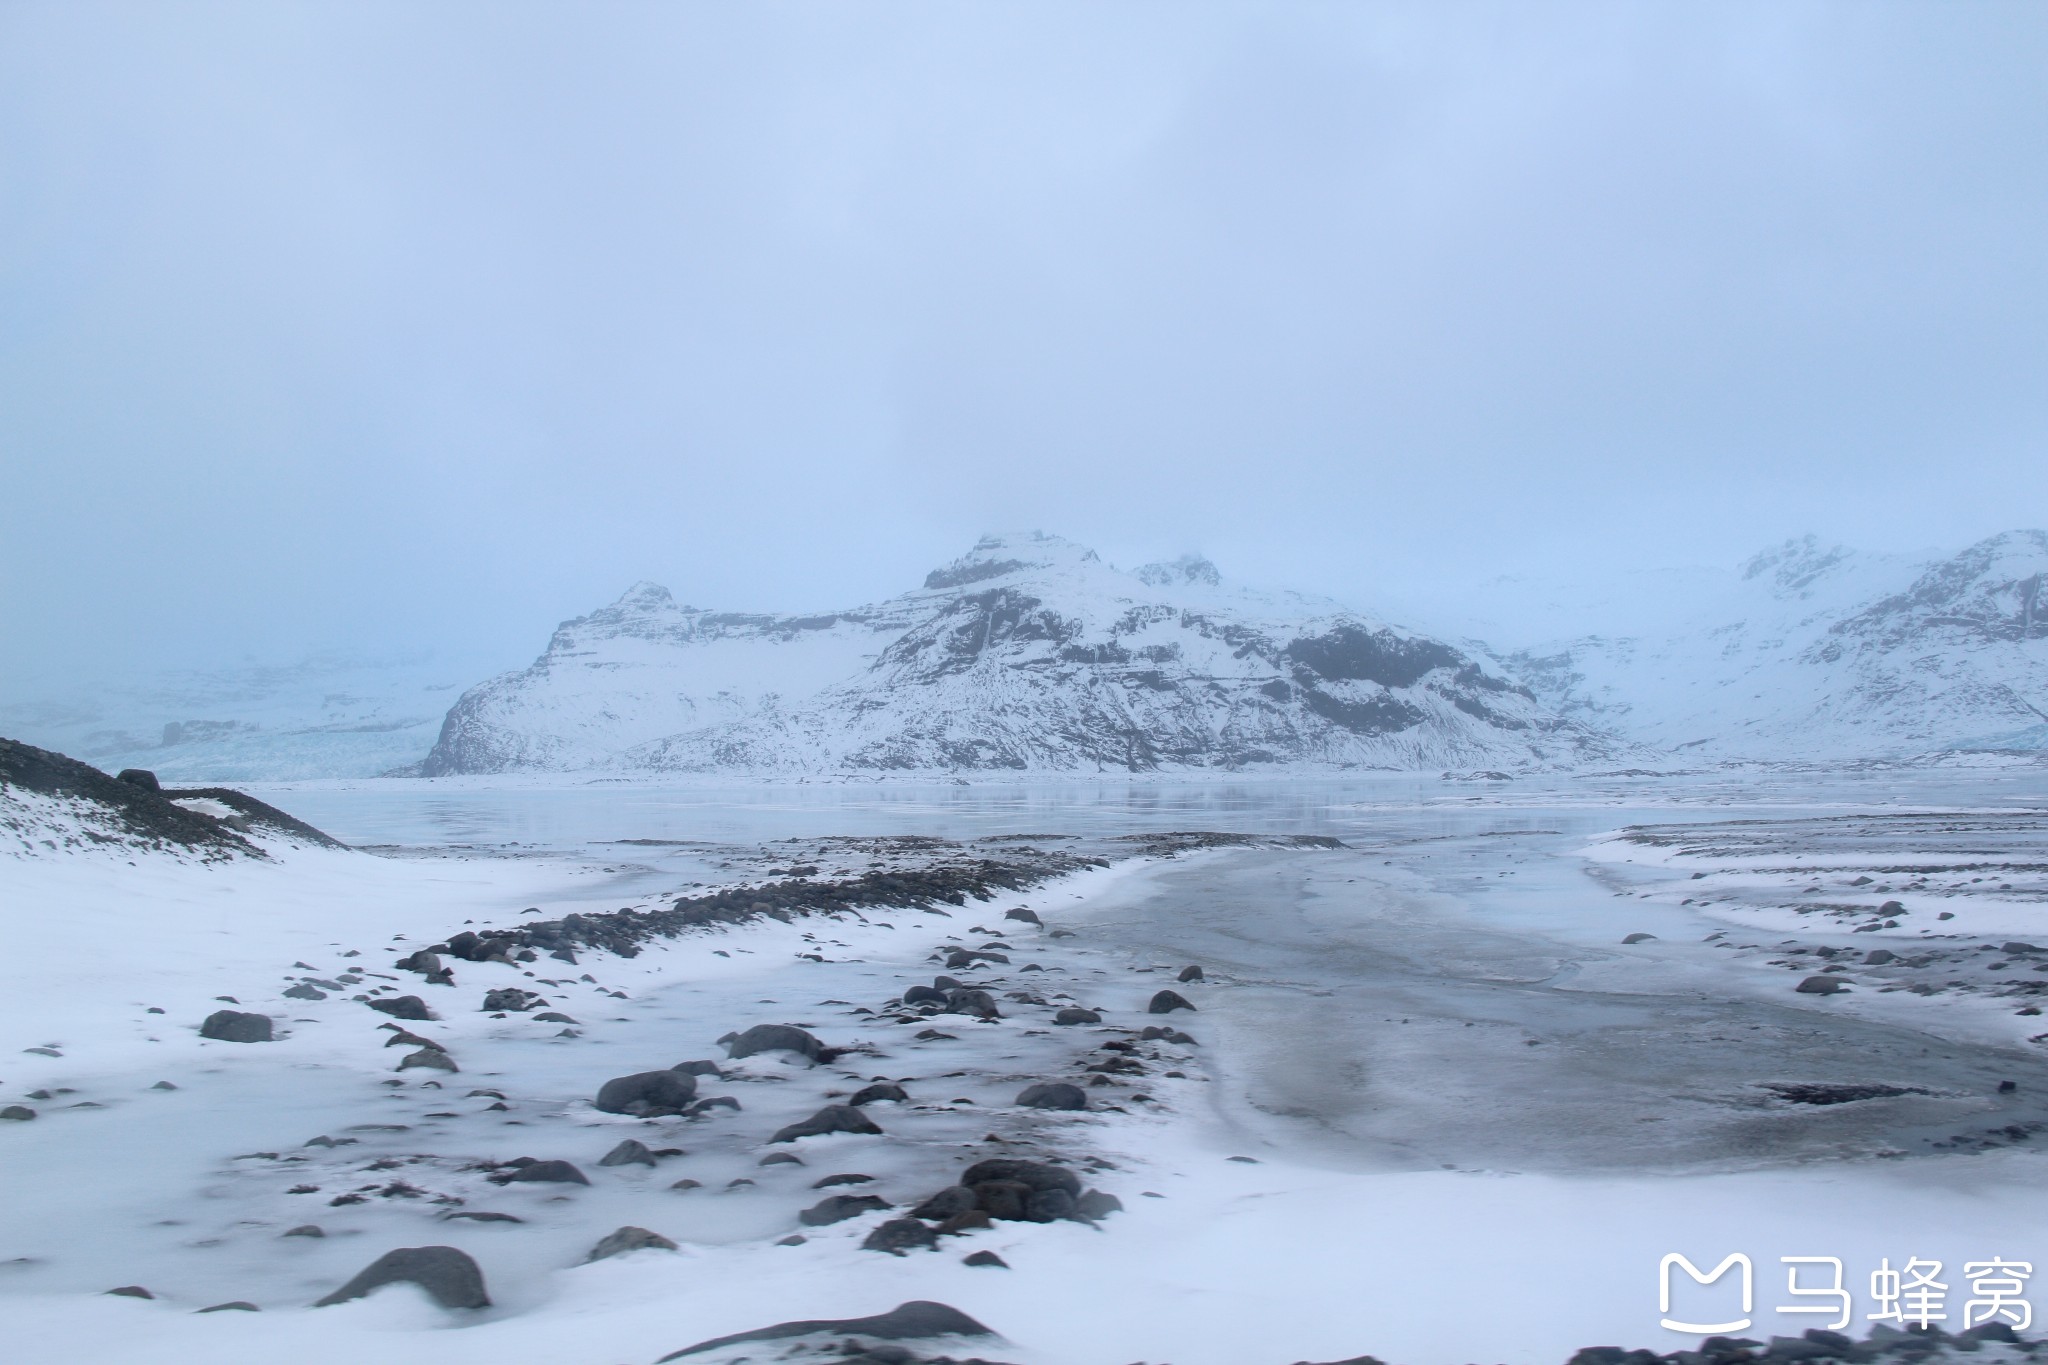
x,y
1820,653
1028,655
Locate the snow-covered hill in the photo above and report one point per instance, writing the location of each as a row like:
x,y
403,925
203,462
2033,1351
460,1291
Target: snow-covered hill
x,y
1823,653
1028,654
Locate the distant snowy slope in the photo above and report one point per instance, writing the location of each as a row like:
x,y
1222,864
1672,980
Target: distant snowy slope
x,y
1819,652
1027,654
324,717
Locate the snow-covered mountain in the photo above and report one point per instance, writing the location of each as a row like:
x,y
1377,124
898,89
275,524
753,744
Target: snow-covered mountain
x,y
1820,652
1028,654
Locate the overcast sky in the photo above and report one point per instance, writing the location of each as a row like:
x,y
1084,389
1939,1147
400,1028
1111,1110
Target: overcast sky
x,y
382,326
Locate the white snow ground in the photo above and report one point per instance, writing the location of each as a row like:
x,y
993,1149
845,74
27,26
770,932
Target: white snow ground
x,y
1323,1249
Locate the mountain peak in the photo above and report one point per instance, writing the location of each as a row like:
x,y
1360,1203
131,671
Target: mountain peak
x,y
1188,570
998,554
1794,567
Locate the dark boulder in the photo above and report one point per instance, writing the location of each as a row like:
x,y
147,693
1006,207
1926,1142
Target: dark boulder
x,y
1821,985
434,1058
1095,1205
947,1202
913,1321
985,1259
628,1239
19,1113
449,1275
1022,915
512,999
700,1069
647,1093
967,1000
880,1090
1166,1002
1053,1095
1048,1206
631,1152
899,1235
775,1038
550,1173
1004,1199
838,1208
139,777
1036,1174
234,1026
921,995
833,1118
402,1007
1190,974
1074,1014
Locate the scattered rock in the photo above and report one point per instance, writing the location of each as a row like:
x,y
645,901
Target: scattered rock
x,y
899,1235
1022,915
403,1007
987,1259
514,1000
1036,1175
911,1321
481,1216
449,1275
968,1000
430,1057
1166,1002
775,1038
880,1090
1638,938
237,1306
631,1152
833,1118
1074,1014
132,1291
298,992
699,1069
145,779
1190,973
1877,957
838,1208
780,1159
954,1199
1821,985
306,1230
550,1172
554,1017
234,1026
1053,1095
1095,1205
847,1178
932,1035
628,1239
19,1113
647,1093
920,995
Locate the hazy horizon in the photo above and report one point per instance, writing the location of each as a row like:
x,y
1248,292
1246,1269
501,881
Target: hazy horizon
x,y
382,331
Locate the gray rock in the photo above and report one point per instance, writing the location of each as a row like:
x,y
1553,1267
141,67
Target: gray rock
x,y
1638,938
402,1007
945,983
985,1259
1877,957
920,995
306,1230
838,1208
880,1090
628,1239
780,1159
968,1000
1022,915
1190,974
1166,1002
550,1172
631,1152
844,1178
899,1235
1095,1205
1004,1199
1821,985
1036,1175
2018,949
1048,1206
914,1321
449,1275
775,1038
1053,1095
431,1057
139,777
237,1306
234,1026
699,1069
647,1093
554,1017
954,1199
1074,1014
833,1118
302,991
483,1216
131,1291
19,1113
512,999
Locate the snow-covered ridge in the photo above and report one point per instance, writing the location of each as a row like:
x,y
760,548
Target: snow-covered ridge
x,y
1026,654
1821,652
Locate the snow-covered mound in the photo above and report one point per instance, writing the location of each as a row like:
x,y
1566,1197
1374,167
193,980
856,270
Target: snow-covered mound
x,y
1027,654
1821,652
